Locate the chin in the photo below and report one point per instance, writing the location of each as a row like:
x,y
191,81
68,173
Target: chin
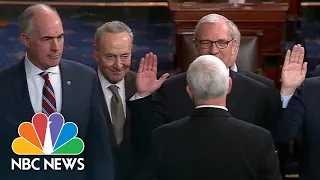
x,y
115,80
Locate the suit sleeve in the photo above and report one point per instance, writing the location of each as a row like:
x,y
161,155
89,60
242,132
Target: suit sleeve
x,y
153,162
99,160
274,109
146,115
269,164
293,117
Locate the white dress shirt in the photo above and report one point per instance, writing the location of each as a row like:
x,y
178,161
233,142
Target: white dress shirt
x,y
108,94
35,84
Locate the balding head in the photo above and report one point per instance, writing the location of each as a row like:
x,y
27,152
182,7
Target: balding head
x,y
38,11
42,34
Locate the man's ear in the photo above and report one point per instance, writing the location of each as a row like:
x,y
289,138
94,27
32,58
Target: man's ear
x,y
95,52
235,48
189,92
230,85
25,40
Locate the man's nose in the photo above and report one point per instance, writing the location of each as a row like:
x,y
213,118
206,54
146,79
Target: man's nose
x,y
55,44
118,63
214,49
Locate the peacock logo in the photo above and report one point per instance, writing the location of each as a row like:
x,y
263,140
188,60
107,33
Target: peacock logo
x,y
48,136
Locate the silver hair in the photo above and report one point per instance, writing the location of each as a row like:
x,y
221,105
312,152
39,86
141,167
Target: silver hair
x,y
212,18
208,78
112,27
26,18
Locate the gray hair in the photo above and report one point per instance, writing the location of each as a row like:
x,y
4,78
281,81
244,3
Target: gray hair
x,y
26,18
208,78
212,18
112,27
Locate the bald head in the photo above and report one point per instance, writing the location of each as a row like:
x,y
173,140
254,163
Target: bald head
x,y
34,16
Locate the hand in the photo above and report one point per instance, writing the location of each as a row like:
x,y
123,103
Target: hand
x,y
294,70
147,82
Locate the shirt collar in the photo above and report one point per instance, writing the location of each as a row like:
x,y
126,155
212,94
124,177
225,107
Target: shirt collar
x,y
105,83
212,106
32,70
235,68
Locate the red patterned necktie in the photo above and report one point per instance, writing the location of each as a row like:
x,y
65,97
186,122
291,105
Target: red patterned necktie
x,y
48,98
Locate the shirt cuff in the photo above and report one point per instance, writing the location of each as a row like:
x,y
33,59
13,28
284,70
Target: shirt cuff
x,y
136,97
285,100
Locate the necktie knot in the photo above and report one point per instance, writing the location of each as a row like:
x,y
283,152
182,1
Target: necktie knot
x,y
115,91
44,75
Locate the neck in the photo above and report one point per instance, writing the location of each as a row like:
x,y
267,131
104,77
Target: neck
x,y
215,102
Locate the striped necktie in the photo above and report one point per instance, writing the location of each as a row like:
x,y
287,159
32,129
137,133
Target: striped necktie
x,y
48,98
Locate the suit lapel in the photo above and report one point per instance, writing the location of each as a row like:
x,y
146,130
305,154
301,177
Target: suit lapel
x,y
107,115
130,84
20,88
231,103
67,78
130,90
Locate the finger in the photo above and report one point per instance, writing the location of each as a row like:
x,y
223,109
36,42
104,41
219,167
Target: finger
x,y
293,54
297,55
150,62
141,65
301,55
155,64
287,58
146,60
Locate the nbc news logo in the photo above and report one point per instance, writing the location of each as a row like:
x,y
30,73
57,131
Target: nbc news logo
x,y
47,136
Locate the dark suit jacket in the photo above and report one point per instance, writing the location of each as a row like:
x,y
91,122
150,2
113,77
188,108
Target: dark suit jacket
x,y
275,104
316,71
80,104
302,116
212,145
126,160
247,100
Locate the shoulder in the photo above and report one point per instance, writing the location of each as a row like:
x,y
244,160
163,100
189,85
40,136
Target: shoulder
x,y
251,130
310,86
9,72
313,81
171,127
246,81
76,67
13,68
131,75
316,71
177,80
260,78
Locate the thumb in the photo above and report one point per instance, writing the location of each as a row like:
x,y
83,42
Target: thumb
x,y
163,78
304,68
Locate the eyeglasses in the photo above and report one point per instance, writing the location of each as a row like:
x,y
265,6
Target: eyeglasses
x,y
220,44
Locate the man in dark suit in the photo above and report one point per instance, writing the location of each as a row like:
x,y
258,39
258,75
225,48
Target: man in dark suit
x,y
112,51
300,119
247,101
274,106
43,82
211,144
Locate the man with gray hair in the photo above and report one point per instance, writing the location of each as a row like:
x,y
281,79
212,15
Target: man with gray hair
x,y
44,82
112,50
211,144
